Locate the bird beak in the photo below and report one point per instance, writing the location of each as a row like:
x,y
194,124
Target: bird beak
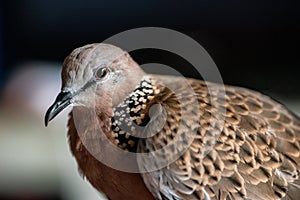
x,y
62,100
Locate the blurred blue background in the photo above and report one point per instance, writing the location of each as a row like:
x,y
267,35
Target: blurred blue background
x,y
255,44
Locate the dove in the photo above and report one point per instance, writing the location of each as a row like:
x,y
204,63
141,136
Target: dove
x,y
240,144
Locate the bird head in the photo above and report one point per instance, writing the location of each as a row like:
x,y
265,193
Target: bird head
x,y
100,74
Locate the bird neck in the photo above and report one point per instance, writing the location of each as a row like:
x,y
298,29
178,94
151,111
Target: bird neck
x,y
132,115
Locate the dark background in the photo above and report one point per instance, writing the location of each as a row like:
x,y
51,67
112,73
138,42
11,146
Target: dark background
x,y
254,44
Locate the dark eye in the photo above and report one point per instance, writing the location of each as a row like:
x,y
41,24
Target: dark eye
x,y
101,72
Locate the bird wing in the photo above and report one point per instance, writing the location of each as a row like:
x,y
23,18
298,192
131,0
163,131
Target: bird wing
x,y
254,154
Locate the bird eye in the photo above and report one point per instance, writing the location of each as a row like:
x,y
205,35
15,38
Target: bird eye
x,y
101,72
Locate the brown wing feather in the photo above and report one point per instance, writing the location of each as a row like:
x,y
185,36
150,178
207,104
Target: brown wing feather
x,y
256,155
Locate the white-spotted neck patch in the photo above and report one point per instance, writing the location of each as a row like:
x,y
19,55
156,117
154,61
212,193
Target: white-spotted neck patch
x,y
131,115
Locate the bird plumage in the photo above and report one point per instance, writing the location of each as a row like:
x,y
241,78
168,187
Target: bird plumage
x,y
238,145
256,155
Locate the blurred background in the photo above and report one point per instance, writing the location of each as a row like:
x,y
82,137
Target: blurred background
x,y
255,44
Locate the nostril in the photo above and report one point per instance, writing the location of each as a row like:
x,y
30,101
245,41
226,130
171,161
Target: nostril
x,y
62,96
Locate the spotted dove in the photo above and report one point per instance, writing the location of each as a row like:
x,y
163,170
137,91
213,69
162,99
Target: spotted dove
x,y
249,151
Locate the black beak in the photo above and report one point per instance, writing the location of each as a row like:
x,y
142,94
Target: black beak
x,y
62,100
